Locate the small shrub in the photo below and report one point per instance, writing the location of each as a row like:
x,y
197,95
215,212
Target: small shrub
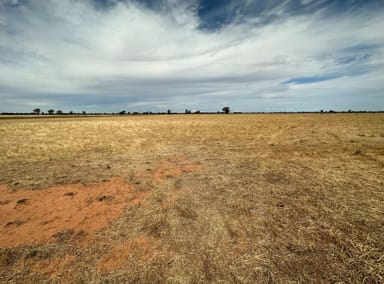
x,y
22,201
16,223
64,235
104,198
358,152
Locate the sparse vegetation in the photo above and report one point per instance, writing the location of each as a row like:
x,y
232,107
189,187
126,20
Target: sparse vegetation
x,y
22,201
193,198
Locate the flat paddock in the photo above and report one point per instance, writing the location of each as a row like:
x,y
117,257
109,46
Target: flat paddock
x,y
193,198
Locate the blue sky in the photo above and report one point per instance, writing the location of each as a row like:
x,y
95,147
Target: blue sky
x,y
147,55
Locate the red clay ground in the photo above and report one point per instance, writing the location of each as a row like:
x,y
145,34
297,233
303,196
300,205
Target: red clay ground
x,y
169,169
73,211
141,248
40,216
54,268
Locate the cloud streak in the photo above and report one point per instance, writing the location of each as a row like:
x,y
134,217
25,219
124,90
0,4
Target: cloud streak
x,y
141,56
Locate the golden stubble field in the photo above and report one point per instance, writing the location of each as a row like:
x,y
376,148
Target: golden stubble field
x,y
193,199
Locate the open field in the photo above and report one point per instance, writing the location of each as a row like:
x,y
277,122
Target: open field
x,y
193,199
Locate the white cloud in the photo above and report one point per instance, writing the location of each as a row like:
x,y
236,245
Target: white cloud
x,y
12,2
136,55
306,2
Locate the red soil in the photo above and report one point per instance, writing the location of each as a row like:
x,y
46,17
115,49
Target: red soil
x,y
40,216
56,268
169,169
141,248
76,211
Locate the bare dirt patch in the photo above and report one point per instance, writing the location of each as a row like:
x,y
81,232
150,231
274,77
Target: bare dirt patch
x,y
140,248
54,268
75,211
62,212
173,168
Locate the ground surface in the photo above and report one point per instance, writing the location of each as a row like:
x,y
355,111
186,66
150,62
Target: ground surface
x,y
195,198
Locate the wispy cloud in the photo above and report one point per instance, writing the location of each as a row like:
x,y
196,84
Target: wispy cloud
x,y
142,55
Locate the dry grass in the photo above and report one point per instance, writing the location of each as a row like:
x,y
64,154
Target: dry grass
x,y
223,198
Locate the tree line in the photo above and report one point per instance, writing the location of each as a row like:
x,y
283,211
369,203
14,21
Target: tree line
x,y
37,111
225,110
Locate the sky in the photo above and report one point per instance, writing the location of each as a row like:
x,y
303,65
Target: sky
x,y
155,55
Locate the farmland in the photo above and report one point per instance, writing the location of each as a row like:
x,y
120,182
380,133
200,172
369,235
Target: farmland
x,y
267,198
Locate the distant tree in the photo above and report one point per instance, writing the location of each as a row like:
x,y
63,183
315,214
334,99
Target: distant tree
x,y
122,112
36,111
71,112
226,109
59,112
51,111
169,111
83,112
321,111
186,111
